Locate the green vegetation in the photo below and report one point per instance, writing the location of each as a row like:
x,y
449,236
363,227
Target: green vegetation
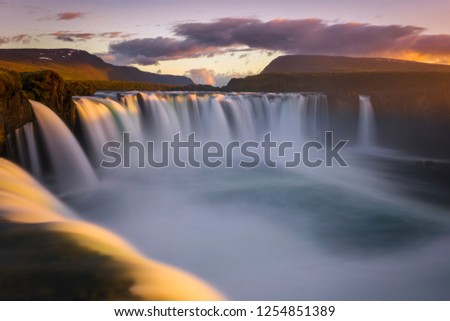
x,y
80,65
89,87
41,85
9,78
49,88
71,71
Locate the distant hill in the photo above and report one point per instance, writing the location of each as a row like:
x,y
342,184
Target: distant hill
x,y
80,65
305,63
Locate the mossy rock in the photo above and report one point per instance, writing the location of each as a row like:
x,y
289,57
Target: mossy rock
x,y
48,88
15,110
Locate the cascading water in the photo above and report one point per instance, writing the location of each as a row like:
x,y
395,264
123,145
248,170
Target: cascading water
x,y
219,117
366,123
238,228
105,120
28,155
215,116
70,165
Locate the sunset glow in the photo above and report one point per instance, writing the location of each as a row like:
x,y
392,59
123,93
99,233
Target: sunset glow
x,y
231,39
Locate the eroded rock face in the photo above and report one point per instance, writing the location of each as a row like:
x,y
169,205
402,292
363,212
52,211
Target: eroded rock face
x,y
48,88
15,110
45,86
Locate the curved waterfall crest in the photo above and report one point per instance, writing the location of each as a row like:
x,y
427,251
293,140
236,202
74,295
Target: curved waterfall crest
x,y
67,159
213,116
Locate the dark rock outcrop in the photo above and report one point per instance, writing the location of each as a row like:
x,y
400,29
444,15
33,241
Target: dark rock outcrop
x,y
45,86
15,110
48,87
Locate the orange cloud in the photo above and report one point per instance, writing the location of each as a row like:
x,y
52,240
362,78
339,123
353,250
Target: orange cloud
x,y
70,15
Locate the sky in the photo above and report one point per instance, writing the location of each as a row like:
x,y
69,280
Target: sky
x,y
212,41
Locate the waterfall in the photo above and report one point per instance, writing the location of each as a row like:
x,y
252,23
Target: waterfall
x,y
366,123
222,117
226,116
158,116
26,151
70,166
105,120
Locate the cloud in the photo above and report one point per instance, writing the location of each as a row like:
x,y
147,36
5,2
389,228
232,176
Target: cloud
x,y
210,77
69,36
222,79
105,57
116,34
70,15
202,76
22,38
438,44
72,36
149,51
299,36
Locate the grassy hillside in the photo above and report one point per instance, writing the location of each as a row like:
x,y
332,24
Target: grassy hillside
x,y
362,82
78,71
89,87
307,63
80,65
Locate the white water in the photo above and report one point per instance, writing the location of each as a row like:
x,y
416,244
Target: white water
x,y
71,168
229,116
25,149
366,123
33,153
219,117
300,234
104,120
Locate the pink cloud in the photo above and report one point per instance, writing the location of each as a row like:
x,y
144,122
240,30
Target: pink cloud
x,y
298,36
70,15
